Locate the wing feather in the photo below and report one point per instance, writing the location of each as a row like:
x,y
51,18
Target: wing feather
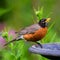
x,y
30,29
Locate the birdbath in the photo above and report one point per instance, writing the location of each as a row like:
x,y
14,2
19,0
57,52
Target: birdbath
x,y
49,50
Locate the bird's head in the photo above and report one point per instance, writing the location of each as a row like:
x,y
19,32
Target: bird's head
x,y
43,22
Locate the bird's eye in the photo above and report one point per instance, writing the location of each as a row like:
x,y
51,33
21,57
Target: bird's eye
x,y
43,22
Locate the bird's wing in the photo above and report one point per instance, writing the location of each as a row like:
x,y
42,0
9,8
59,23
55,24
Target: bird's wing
x,y
30,29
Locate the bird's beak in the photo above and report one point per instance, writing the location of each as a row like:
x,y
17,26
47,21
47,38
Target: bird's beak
x,y
48,19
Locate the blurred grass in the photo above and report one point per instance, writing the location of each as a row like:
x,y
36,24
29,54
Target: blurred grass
x,y
3,11
20,15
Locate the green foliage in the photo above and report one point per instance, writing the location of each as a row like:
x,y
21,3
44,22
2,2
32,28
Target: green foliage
x,y
39,13
4,11
5,34
21,14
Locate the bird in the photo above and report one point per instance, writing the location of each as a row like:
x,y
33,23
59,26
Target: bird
x,y
34,32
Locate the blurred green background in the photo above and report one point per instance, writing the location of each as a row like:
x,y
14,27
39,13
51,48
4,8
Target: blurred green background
x,y
17,14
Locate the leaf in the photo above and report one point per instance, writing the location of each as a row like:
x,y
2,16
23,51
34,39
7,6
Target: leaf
x,y
4,11
39,13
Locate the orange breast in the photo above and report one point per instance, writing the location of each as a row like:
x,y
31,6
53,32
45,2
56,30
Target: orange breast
x,y
38,35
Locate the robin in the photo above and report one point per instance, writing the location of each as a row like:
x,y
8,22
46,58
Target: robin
x,y
34,32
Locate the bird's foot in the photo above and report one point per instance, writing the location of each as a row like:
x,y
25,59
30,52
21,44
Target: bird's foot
x,y
39,45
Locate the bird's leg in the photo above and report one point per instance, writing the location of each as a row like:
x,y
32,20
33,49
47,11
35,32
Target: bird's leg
x,y
39,44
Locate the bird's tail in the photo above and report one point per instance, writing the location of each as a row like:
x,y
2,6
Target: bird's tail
x,y
16,39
